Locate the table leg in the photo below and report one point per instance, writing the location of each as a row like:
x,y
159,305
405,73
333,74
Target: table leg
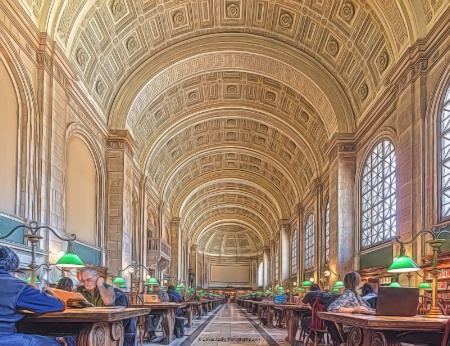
x,y
190,315
199,311
101,334
168,325
270,316
292,326
259,313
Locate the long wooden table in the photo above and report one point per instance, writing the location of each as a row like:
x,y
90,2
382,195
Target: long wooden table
x,y
94,326
370,330
168,312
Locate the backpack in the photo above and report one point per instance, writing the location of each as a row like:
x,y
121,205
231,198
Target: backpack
x,y
179,327
280,299
326,299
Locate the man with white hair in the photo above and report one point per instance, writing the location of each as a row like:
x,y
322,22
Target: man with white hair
x,y
95,290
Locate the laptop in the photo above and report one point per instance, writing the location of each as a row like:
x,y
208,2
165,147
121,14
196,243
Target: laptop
x,y
397,301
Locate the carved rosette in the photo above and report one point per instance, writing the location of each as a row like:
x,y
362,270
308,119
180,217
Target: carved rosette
x,y
355,337
116,330
81,57
363,91
332,46
233,10
383,61
286,20
179,19
347,11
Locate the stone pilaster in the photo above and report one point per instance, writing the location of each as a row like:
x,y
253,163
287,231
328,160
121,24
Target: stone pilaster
x,y
120,181
266,255
193,263
175,260
285,253
342,206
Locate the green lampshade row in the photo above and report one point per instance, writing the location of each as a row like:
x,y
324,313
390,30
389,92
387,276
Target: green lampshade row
x,y
152,281
306,283
339,284
118,280
403,264
424,286
70,260
394,284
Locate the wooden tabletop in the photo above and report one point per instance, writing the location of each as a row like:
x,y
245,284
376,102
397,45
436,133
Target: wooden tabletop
x,y
194,302
416,323
294,307
97,314
161,305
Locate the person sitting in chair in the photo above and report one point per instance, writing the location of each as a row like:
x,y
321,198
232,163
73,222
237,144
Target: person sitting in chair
x,y
17,295
153,320
309,298
95,290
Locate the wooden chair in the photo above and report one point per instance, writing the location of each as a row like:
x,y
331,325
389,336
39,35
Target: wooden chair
x,y
445,337
317,325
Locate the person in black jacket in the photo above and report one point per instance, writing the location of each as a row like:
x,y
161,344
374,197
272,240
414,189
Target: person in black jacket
x,y
309,299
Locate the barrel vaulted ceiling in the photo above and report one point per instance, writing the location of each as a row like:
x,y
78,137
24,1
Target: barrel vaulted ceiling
x,y
232,103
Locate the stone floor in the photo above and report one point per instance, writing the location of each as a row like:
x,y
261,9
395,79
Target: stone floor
x,y
230,325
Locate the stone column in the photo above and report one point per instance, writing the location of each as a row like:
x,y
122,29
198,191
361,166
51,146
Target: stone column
x,y
301,243
175,260
266,254
342,206
285,253
193,263
119,175
319,241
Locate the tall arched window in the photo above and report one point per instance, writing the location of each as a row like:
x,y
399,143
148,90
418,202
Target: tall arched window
x,y
327,231
276,263
294,252
260,275
445,157
309,242
378,196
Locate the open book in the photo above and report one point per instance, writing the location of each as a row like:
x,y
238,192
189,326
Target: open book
x,y
71,299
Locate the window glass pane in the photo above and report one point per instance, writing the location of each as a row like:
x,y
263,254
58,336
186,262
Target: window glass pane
x,y
294,252
378,196
445,157
309,242
276,264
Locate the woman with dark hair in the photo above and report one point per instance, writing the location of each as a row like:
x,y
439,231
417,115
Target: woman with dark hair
x,y
65,284
349,301
368,295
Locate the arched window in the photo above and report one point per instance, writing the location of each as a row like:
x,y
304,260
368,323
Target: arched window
x,y
327,231
294,252
276,263
378,196
309,242
445,157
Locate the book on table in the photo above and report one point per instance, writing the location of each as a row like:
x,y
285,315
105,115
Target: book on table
x,y
70,299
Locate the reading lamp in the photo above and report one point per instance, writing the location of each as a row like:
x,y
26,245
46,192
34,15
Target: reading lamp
x,y
69,260
404,264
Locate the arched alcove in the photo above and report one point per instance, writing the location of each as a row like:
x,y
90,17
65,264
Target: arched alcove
x,y
81,192
8,141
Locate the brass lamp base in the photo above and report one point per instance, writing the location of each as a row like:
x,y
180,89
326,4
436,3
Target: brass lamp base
x,y
435,312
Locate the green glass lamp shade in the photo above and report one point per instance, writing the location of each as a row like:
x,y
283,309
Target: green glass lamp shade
x,y
335,290
70,260
280,288
269,292
306,283
339,284
118,280
394,284
200,291
300,289
403,264
29,279
123,286
192,290
424,286
152,281
59,279
179,287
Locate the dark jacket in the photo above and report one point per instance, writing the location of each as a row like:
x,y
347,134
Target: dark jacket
x,y
17,295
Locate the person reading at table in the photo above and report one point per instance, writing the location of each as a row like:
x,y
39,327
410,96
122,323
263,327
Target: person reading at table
x,y
65,284
368,295
309,298
17,295
153,320
95,290
349,301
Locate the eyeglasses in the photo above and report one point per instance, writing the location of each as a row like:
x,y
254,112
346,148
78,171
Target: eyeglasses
x,y
89,280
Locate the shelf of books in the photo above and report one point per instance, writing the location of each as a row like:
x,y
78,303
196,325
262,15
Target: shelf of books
x,y
443,283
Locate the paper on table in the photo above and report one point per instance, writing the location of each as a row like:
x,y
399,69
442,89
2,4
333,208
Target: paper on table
x,y
70,299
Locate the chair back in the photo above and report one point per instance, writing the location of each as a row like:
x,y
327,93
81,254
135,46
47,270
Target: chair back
x,y
317,324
